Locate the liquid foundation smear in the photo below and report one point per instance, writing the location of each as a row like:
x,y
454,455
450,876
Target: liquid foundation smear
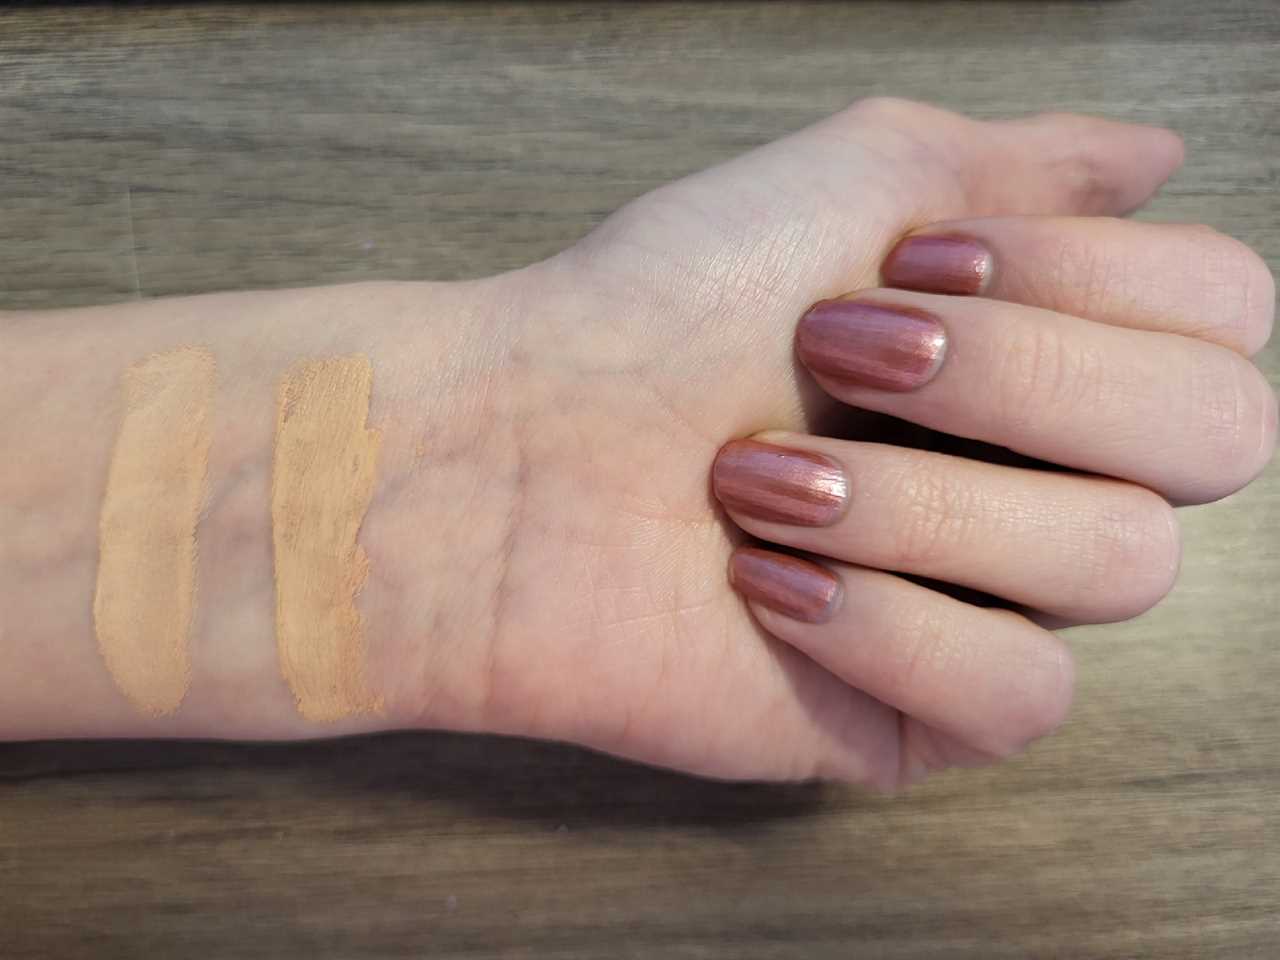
x,y
145,595
321,485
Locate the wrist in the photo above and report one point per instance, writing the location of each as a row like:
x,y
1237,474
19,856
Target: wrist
x,y
472,426
445,502
437,519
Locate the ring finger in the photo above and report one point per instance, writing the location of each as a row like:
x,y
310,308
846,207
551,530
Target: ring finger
x,y
1086,549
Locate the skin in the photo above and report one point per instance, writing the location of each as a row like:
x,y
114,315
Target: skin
x,y
546,557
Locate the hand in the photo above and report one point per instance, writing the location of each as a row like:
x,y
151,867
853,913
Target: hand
x,y
547,554
1111,347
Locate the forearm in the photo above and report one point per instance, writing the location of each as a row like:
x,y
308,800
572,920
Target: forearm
x,y
97,482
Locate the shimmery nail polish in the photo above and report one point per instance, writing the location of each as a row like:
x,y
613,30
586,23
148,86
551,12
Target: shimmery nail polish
x,y
796,588
871,344
781,484
938,264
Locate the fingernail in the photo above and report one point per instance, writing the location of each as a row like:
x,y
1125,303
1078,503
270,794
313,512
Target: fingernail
x,y
938,265
779,483
796,588
892,348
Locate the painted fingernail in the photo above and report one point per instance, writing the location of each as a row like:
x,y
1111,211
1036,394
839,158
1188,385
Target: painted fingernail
x,y
781,484
796,588
871,344
938,264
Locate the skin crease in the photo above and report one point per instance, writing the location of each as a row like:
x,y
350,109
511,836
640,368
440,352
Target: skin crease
x,y
143,604
322,482
556,564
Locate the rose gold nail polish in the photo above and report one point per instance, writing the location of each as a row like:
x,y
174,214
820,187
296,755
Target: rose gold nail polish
x,y
938,264
871,344
799,589
781,484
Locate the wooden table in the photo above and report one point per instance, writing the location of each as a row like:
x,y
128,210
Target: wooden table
x,y
148,151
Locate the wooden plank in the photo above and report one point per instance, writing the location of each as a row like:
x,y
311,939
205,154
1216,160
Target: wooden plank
x,y
153,150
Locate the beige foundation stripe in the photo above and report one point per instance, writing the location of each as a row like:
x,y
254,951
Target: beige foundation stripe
x,y
321,484
145,595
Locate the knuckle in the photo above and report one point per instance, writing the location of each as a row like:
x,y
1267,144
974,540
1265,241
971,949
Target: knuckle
x,y
1046,710
1233,409
1069,281
1030,699
1134,552
1040,698
1090,277
1239,290
931,647
882,109
1019,371
920,123
1089,180
1064,119
1074,161
1039,377
937,515
1259,288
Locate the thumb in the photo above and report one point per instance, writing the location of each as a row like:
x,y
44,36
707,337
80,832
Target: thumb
x,y
748,244
1062,163
1052,163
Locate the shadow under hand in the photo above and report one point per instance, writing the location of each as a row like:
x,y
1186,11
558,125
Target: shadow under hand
x,y
485,776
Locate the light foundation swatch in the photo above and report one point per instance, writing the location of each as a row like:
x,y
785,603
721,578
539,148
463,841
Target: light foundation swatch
x,y
321,485
146,587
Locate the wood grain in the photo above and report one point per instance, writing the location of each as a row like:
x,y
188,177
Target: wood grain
x,y
153,150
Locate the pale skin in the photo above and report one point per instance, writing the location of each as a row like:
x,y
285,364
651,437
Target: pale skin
x,y
546,555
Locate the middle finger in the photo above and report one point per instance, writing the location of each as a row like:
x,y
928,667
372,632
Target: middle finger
x,y
1191,420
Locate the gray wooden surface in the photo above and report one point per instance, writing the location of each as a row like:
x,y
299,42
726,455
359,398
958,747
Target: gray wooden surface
x,y
148,151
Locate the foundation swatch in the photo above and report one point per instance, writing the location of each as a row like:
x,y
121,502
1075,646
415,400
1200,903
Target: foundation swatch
x,y
321,484
145,595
